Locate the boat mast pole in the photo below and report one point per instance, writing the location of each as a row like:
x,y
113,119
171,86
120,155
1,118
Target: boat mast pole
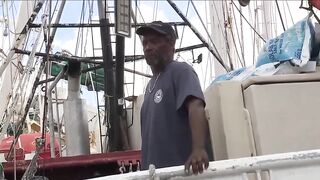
x,y
120,45
113,126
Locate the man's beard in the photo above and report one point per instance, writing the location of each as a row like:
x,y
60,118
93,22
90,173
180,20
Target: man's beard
x,y
155,61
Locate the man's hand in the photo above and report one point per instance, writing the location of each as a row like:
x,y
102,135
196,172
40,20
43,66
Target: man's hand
x,y
198,160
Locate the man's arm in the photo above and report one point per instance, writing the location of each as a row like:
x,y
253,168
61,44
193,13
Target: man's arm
x,y
199,126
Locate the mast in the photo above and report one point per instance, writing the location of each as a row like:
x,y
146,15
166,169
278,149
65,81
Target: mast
x,y
120,46
111,117
267,21
27,14
217,34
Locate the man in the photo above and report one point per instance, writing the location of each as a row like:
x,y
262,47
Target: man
x,y
173,123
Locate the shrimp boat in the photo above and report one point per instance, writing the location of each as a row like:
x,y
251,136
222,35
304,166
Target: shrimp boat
x,y
72,79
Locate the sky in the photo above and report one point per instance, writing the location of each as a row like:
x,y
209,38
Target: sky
x,y
66,39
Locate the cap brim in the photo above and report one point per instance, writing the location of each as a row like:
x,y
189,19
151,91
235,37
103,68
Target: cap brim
x,y
147,29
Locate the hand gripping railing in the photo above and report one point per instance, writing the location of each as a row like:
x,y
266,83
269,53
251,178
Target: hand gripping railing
x,y
286,166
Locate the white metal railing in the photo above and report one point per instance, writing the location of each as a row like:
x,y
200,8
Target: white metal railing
x,y
303,165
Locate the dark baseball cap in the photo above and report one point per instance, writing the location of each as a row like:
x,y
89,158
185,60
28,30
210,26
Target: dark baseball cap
x,y
158,27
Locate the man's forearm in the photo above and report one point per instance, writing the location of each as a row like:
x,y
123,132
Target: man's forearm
x,y
198,123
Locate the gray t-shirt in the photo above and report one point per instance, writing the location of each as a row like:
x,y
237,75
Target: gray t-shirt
x,y
165,130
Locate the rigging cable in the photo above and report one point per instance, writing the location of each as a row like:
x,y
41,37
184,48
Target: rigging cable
x,y
207,62
14,129
206,29
14,135
83,41
155,10
289,11
21,123
248,22
21,87
232,35
274,21
195,31
96,82
241,40
226,23
238,38
47,64
29,32
13,77
8,21
254,35
84,54
80,31
183,29
235,44
182,37
211,62
138,9
13,17
265,13
219,21
285,14
134,14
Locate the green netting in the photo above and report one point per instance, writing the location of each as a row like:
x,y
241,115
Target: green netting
x,y
97,75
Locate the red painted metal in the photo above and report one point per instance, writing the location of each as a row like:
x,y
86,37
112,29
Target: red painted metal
x,y
78,167
26,144
315,3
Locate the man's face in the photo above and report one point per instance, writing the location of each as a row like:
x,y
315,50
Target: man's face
x,y
156,49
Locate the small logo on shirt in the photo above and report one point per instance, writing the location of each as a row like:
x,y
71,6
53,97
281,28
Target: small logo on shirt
x,y
158,96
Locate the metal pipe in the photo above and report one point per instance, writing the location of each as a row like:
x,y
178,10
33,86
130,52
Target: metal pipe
x,y
30,63
109,81
86,25
58,120
95,160
76,121
60,57
50,110
98,67
239,168
129,58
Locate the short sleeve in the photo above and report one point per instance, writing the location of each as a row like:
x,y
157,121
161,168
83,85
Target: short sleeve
x,y
187,84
